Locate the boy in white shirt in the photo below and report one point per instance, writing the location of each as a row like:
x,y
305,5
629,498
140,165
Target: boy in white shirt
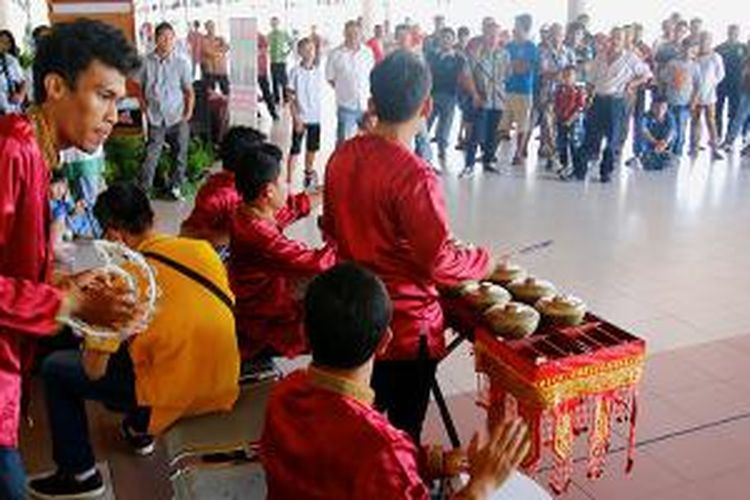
x,y
711,69
305,86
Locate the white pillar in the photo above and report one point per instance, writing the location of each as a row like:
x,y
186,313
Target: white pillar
x,y
576,8
371,15
5,8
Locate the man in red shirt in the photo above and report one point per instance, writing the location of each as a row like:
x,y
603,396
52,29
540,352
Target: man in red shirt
x,y
217,199
323,439
376,43
265,266
384,209
79,75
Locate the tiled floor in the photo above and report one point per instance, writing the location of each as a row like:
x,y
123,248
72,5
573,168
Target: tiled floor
x,y
664,255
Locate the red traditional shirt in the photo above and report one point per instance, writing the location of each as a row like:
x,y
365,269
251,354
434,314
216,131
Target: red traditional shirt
x,y
377,49
323,440
214,207
266,270
28,305
384,208
569,100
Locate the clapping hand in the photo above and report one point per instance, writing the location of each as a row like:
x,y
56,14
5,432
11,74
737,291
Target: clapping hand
x,y
491,463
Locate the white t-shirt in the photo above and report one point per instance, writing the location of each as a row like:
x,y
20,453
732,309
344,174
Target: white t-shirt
x,y
611,79
711,68
306,83
350,73
11,76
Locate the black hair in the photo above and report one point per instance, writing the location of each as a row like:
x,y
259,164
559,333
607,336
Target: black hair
x,y
261,165
402,27
524,22
162,27
40,32
58,175
659,98
236,140
347,313
464,30
399,86
448,31
71,48
124,206
13,50
304,41
570,67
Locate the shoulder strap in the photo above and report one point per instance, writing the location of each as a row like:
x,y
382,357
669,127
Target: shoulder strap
x,y
193,275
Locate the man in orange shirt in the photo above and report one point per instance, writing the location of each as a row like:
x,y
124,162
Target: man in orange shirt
x,y
185,363
214,51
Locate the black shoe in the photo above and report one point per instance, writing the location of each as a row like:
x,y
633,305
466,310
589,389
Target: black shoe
x,y
489,167
64,486
466,172
604,179
141,443
311,182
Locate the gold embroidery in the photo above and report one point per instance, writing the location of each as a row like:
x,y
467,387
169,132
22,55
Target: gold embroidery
x,y
553,390
44,137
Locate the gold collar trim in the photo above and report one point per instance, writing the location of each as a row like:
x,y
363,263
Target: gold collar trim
x,y
342,386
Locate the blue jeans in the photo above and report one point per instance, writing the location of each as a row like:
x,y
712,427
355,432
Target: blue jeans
x,y
681,118
66,390
740,120
604,120
12,475
484,131
569,140
422,143
639,109
347,123
443,111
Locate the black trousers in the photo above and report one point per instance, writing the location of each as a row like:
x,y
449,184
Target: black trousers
x,y
279,77
402,391
222,80
728,96
265,89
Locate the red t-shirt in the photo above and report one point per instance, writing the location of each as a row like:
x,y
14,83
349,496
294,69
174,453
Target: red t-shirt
x,y
384,209
323,440
377,49
266,270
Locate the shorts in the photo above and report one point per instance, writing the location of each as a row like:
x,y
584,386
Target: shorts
x,y
312,131
518,111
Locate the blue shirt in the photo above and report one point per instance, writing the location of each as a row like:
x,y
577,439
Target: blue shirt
x,y
164,83
661,130
524,60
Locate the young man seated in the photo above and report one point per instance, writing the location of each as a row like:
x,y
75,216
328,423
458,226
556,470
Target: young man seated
x,y
323,438
384,208
265,266
218,198
185,363
658,131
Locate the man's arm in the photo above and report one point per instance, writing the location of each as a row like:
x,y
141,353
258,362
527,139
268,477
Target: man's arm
x,y
187,91
423,218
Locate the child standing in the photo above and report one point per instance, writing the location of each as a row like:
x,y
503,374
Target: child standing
x,y
305,83
570,102
711,68
658,131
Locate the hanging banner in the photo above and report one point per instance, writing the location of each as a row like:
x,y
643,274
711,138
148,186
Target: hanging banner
x,y
243,71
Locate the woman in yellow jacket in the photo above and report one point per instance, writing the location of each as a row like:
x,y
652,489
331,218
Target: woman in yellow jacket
x,y
185,363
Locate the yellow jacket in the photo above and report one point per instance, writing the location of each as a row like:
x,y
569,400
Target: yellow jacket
x,y
187,362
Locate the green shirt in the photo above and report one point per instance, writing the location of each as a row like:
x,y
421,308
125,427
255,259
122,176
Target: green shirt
x,y
279,45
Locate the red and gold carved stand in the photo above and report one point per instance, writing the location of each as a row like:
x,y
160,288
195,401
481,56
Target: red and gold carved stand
x,y
564,383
